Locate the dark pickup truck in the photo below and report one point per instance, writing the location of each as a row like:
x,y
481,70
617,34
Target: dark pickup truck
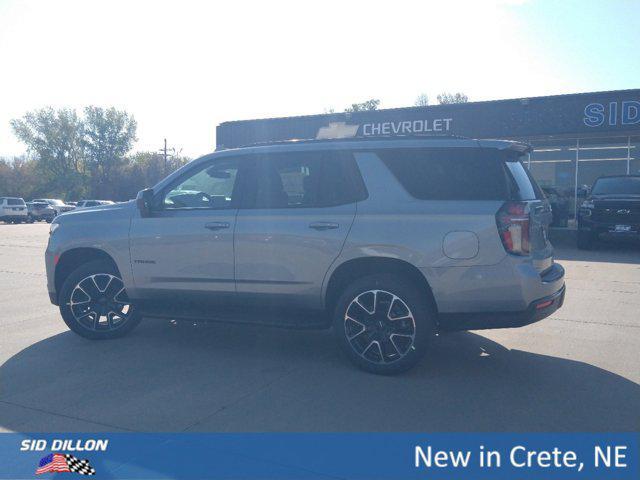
x,y
611,210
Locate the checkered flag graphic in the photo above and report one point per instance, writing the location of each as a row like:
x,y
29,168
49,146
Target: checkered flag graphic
x,y
83,467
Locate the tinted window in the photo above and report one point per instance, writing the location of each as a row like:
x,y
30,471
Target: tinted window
x,y
523,187
15,201
210,187
617,186
448,174
307,180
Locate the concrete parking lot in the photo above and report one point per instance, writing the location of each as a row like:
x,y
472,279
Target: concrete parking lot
x,y
578,370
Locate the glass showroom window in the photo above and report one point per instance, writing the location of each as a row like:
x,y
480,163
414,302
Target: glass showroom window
x,y
598,157
553,165
634,156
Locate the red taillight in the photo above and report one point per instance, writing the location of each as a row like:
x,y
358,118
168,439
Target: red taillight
x,y
542,305
513,225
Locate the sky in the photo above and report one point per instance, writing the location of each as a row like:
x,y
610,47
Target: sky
x,y
182,67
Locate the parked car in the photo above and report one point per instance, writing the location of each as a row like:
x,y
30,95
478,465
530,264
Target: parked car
x,y
389,241
37,211
13,210
93,203
611,210
58,205
73,204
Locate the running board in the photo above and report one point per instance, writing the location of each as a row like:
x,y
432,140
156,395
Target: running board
x,y
251,316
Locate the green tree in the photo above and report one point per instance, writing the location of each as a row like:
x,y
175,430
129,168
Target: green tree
x,y
109,134
143,169
446,98
19,177
371,104
55,138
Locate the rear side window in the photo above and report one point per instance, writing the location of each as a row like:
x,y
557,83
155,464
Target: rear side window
x,y
15,201
307,180
449,174
523,186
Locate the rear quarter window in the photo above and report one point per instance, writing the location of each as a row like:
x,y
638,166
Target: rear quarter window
x,y
522,184
449,174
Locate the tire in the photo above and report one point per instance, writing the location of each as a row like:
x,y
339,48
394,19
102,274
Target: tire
x,y
375,342
585,240
93,289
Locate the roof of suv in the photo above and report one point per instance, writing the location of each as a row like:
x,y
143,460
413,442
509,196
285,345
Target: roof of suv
x,y
618,176
357,143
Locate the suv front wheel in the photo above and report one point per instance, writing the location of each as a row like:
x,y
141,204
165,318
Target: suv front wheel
x,y
94,303
384,323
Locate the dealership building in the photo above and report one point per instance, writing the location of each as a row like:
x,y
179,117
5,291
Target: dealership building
x,y
575,138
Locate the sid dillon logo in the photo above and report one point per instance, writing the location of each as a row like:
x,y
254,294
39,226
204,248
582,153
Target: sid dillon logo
x,y
64,462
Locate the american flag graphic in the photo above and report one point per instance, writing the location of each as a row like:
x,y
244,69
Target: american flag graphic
x,y
58,462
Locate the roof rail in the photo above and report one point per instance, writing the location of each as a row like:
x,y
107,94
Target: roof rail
x,y
349,139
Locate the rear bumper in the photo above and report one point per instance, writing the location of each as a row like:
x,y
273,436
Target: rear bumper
x,y
21,217
536,311
609,228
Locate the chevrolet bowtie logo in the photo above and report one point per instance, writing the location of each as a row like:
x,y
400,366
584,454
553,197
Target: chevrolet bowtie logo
x,y
337,130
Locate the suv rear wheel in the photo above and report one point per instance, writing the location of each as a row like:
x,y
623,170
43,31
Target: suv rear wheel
x,y
94,303
383,323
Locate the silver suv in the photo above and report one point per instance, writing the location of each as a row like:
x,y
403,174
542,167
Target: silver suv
x,y
389,241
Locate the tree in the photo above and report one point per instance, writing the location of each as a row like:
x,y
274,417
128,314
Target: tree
x,y
55,138
19,177
109,134
422,100
371,104
143,169
446,98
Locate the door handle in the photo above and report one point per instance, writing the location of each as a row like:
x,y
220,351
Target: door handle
x,y
217,225
323,225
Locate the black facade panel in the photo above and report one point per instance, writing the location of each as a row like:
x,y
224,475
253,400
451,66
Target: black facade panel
x,y
584,114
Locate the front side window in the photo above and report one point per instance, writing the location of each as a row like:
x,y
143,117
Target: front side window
x,y
15,201
307,180
210,187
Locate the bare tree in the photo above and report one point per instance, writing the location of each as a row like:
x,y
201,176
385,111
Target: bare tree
x,y
371,104
446,98
422,100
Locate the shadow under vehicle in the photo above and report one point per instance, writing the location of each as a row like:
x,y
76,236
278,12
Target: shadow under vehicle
x,y
213,377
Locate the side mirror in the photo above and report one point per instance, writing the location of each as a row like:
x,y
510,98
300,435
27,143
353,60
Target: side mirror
x,y
144,202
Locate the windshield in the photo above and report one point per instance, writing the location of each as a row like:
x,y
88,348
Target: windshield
x,y
617,186
56,202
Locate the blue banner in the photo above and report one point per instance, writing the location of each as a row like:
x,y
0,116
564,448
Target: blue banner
x,y
321,455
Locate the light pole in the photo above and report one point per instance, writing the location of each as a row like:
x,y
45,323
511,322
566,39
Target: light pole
x,y
166,155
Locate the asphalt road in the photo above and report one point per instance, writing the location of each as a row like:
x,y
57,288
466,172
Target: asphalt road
x,y
578,370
